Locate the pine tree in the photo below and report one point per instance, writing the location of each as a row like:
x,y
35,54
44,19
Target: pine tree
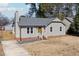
x,y
76,22
74,28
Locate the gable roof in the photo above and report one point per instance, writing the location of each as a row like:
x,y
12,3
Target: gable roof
x,y
26,21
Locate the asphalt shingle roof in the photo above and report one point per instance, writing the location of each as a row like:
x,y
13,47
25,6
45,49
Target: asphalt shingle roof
x,y
26,21
70,19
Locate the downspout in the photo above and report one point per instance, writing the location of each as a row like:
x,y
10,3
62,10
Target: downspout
x,y
20,34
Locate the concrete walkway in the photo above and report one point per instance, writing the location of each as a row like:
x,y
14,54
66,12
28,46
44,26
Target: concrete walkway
x,y
12,48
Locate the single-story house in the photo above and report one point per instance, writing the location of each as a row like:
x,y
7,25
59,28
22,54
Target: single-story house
x,y
29,28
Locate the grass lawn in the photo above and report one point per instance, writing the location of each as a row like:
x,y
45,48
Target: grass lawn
x,y
1,50
54,46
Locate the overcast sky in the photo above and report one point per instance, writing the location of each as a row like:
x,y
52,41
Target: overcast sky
x,y
8,9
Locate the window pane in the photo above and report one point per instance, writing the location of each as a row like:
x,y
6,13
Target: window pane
x,y
28,30
60,28
31,30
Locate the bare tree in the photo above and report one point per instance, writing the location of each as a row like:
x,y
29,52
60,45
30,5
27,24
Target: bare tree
x,y
3,20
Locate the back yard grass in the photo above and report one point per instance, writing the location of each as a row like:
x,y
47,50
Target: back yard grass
x,y
54,46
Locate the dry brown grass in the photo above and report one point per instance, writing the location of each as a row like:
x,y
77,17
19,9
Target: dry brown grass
x,y
65,45
6,35
1,51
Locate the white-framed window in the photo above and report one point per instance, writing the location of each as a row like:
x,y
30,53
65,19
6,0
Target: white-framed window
x,y
28,30
31,29
50,29
60,28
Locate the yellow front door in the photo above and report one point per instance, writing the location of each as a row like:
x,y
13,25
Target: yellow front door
x,y
40,30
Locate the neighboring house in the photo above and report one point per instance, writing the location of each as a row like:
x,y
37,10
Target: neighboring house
x,y
26,27
8,27
1,28
67,21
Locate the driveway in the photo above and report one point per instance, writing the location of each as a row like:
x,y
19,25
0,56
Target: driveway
x,y
12,48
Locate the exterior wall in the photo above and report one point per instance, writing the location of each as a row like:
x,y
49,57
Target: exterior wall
x,y
25,34
35,33
67,24
55,29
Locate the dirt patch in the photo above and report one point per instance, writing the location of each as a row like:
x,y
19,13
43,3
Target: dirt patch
x,y
65,45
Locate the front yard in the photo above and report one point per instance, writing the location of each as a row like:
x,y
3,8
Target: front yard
x,y
64,45
54,46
